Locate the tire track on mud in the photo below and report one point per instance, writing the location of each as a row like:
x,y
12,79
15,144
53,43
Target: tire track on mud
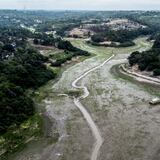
x,y
95,130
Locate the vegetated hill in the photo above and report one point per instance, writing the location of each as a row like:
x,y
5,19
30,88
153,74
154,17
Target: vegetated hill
x,y
148,18
148,60
20,69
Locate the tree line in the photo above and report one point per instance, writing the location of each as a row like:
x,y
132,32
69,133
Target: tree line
x,y
21,67
147,60
124,37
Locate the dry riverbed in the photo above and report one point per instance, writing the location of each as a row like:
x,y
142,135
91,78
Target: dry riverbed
x,y
129,126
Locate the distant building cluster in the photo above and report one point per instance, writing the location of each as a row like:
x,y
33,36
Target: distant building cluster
x,y
124,24
88,28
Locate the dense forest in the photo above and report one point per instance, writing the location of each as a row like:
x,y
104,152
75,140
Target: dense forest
x,y
148,60
124,37
22,67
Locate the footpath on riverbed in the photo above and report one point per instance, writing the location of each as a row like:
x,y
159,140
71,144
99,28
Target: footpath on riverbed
x,y
76,139
86,114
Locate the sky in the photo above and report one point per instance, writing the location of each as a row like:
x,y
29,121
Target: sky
x,y
81,4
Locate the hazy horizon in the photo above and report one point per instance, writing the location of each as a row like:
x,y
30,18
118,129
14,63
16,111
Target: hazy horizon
x,y
97,5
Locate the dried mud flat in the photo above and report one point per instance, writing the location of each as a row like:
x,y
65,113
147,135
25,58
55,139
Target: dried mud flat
x,y
120,109
129,125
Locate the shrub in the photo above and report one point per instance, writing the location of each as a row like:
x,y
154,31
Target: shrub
x,y
156,72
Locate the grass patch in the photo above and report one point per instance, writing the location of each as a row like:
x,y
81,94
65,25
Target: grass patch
x,y
17,137
74,93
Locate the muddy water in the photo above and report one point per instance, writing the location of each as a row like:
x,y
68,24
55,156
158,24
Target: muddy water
x,y
87,116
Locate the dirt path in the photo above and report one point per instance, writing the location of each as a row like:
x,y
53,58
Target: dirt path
x,y
86,114
102,98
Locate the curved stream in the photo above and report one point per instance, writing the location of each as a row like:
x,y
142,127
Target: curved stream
x,y
86,114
